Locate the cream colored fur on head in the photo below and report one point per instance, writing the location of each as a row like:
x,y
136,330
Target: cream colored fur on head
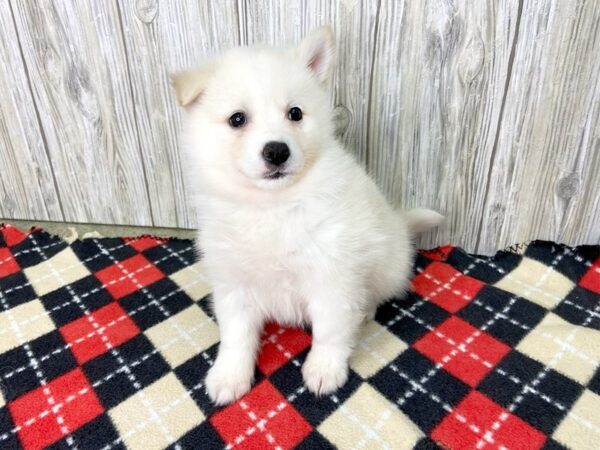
x,y
310,241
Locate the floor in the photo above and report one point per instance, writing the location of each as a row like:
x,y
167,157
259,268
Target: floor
x,y
73,230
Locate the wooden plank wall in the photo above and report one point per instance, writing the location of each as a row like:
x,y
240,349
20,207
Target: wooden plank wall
x,y
487,111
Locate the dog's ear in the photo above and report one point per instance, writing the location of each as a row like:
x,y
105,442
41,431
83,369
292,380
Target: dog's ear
x,y
316,51
190,84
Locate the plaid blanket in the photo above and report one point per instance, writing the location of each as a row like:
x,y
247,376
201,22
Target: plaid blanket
x,y
104,343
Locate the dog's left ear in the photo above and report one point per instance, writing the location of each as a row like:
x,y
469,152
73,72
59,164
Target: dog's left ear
x,y
190,84
317,51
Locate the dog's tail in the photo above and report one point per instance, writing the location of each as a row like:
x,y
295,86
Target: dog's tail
x,y
421,219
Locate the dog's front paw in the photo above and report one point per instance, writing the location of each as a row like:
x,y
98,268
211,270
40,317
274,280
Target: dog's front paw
x,y
323,373
226,382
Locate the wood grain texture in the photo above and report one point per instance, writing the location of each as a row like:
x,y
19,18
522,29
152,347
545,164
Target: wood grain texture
x,y
163,37
487,111
75,58
27,186
545,179
438,82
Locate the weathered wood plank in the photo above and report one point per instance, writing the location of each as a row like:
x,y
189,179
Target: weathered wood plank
x,y
27,187
463,107
282,22
163,37
438,82
76,62
545,181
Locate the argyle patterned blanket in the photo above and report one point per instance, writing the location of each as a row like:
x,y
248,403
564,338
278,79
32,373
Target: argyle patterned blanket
x,y
105,342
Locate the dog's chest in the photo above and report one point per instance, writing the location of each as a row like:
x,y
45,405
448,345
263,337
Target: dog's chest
x,y
268,248
270,255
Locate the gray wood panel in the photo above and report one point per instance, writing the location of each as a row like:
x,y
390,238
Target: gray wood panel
x,y
438,82
545,179
487,111
76,62
163,37
27,186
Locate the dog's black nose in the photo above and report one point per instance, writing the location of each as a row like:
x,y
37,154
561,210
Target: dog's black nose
x,y
276,153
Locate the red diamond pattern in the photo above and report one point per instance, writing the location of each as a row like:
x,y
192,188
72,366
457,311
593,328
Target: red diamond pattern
x,y
144,242
129,276
470,356
591,279
263,418
94,334
50,412
8,265
448,288
280,345
438,254
478,422
14,236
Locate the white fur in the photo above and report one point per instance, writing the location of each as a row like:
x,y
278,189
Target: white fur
x,y
320,246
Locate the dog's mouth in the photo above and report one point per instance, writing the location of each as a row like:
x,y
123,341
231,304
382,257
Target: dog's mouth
x,y
275,174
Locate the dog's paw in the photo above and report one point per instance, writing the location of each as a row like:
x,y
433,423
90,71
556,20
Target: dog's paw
x,y
323,373
225,383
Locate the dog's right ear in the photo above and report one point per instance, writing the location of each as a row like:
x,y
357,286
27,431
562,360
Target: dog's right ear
x,y
316,51
190,84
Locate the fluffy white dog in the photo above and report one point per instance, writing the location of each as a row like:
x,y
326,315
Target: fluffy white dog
x,y
292,229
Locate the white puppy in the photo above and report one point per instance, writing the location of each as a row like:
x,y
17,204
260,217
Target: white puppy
x,y
292,229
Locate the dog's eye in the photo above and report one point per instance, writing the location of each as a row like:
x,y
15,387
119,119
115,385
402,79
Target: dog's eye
x,y
295,114
237,119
